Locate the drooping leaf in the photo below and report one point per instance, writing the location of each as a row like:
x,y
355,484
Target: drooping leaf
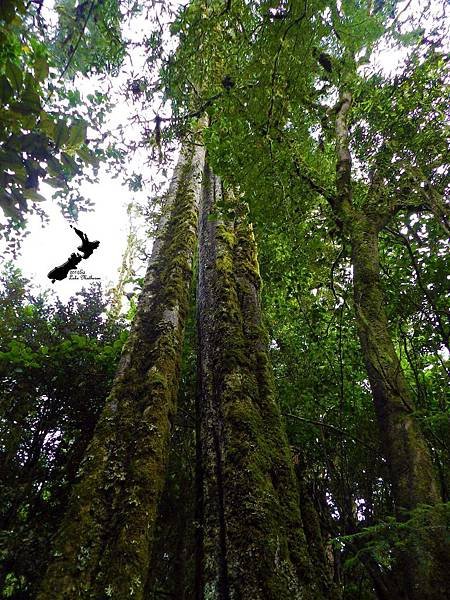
x,y
77,134
70,163
6,90
34,196
14,75
41,68
62,133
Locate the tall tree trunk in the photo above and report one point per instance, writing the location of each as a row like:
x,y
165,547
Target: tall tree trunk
x,y
102,549
172,563
421,564
253,541
412,475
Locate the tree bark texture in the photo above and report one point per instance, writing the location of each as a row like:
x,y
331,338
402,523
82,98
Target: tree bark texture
x,y
102,549
409,462
421,564
171,571
252,536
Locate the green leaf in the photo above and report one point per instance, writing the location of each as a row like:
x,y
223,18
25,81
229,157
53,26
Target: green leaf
x,y
22,108
77,134
7,204
14,75
55,182
47,124
31,99
54,166
62,133
70,163
41,68
6,90
10,160
34,196
88,156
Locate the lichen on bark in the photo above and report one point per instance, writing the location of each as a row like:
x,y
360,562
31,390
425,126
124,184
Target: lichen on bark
x,y
254,544
102,550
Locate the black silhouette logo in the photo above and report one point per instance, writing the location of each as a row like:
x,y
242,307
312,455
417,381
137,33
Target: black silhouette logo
x,y
87,248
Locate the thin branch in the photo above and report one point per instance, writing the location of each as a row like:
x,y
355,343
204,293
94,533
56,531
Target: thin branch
x,y
80,37
313,184
344,162
332,428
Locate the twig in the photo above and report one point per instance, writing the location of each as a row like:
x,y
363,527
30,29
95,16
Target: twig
x,y
332,428
80,37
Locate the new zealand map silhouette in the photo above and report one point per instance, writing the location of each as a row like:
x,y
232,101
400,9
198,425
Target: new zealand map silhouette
x,y
86,248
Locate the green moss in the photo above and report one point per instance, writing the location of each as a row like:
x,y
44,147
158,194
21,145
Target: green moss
x,y
103,545
266,552
155,377
226,235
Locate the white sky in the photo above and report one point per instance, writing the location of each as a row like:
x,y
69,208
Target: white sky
x,y
50,245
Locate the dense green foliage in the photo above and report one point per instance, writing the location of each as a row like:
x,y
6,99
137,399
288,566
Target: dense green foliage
x,y
56,365
44,122
274,79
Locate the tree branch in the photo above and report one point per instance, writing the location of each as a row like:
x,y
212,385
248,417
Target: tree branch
x,y
344,161
332,428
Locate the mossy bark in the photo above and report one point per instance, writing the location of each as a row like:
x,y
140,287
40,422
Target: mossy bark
x,y
421,566
103,547
172,564
409,462
253,541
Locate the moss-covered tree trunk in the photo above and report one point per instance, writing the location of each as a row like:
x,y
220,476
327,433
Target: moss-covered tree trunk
x,y
253,541
103,547
420,563
171,570
409,462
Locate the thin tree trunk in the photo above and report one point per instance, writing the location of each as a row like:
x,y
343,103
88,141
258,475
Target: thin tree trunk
x,y
103,547
253,541
421,565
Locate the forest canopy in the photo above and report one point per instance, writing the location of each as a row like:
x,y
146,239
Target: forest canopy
x,y
267,418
